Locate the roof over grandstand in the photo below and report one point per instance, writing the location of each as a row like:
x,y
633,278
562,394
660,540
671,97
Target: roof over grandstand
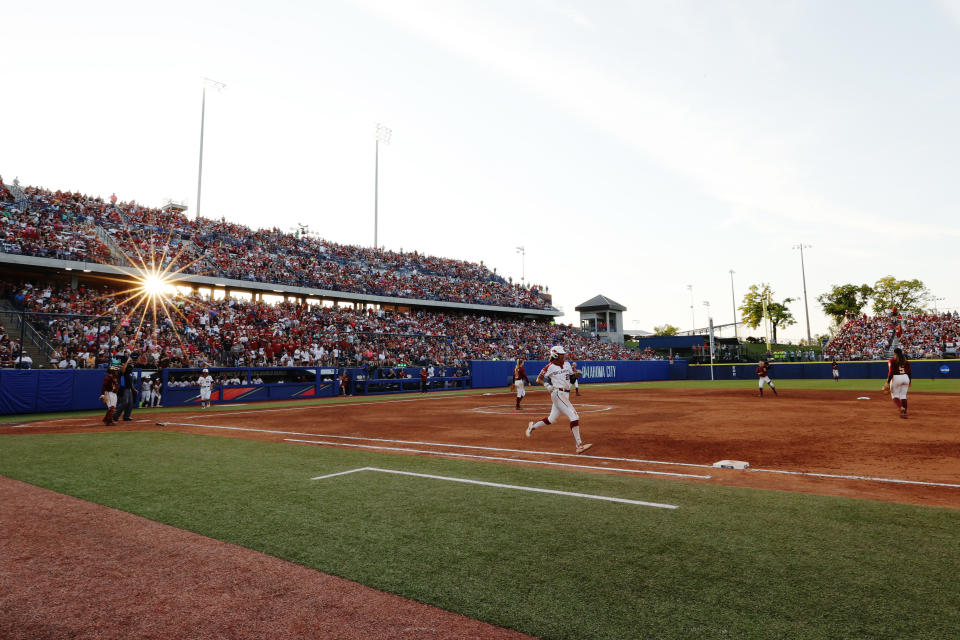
x,y
600,303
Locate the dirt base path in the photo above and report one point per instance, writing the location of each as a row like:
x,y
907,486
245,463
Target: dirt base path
x,y
73,569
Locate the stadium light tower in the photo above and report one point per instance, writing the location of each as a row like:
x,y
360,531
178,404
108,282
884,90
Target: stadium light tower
x,y
803,271
213,84
693,317
733,298
523,263
935,300
383,135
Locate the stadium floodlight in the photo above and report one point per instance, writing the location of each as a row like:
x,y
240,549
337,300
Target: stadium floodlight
x,y
213,84
733,298
935,300
383,135
693,317
803,271
523,263
706,303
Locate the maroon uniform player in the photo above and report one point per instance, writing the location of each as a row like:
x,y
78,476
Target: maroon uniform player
x,y
108,394
763,374
899,378
520,381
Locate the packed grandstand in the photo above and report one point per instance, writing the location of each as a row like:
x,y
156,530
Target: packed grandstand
x,y
872,338
64,225
231,332
238,332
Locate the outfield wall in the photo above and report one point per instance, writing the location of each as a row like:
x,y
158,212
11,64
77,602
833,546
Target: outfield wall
x,y
497,373
51,390
819,370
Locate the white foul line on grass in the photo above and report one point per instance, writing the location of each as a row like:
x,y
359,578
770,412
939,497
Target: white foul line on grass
x,y
503,486
869,478
468,455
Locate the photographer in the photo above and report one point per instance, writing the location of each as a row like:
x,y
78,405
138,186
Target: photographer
x,y
127,393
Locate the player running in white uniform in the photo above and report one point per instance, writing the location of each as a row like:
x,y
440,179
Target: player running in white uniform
x,y
556,378
206,383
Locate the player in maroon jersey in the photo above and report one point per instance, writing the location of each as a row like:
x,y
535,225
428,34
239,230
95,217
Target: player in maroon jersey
x,y
520,381
108,395
899,378
763,374
836,370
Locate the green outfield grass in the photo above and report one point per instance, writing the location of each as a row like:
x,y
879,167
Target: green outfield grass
x,y
729,562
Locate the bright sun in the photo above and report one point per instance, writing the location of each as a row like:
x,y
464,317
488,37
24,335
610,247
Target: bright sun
x,y
154,285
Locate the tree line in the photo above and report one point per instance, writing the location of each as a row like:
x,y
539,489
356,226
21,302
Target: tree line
x,y
907,296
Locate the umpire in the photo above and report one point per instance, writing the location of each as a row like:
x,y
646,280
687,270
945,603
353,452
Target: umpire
x,y
126,394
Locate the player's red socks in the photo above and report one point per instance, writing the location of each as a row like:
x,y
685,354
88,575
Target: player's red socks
x,y
897,402
903,403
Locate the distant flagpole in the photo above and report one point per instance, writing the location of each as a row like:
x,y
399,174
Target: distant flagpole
x,y
203,110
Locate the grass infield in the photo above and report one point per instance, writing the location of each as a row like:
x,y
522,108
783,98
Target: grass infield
x,y
727,563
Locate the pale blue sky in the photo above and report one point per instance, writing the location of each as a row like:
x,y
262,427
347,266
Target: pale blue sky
x,y
633,148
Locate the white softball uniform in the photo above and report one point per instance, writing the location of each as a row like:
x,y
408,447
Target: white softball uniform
x,y
763,380
559,378
899,385
521,391
110,398
206,382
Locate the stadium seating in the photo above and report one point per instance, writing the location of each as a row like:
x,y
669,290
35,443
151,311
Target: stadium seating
x,y
870,338
64,225
233,332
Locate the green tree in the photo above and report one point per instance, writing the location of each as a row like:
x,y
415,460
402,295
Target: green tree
x,y
752,308
907,296
666,330
845,298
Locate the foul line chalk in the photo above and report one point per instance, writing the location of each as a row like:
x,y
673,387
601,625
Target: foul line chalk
x,y
503,486
440,444
468,455
867,478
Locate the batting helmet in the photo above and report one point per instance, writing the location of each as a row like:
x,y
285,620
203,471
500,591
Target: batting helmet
x,y
556,351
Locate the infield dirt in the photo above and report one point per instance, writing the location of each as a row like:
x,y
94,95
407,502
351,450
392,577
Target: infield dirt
x,y
783,437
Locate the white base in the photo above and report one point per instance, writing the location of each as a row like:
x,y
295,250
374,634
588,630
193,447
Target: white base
x,y
731,464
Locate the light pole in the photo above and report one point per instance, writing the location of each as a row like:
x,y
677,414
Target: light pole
x,y
203,112
733,298
935,300
523,263
706,303
803,271
693,317
383,135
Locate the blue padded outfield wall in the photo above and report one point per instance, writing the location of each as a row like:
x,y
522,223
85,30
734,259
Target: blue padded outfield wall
x,y
41,390
871,369
497,373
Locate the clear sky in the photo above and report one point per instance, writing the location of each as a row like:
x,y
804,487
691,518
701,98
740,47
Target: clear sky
x,y
632,148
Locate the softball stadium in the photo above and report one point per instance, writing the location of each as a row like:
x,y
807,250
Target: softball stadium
x,y
358,464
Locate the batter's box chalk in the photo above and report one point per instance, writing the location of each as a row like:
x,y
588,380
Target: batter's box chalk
x,y
863,398
731,464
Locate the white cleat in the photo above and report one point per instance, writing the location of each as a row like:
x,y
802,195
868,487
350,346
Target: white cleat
x,y
583,447
529,429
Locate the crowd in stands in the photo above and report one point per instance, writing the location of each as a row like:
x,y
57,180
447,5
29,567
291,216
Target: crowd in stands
x,y
48,232
9,350
62,225
870,338
200,332
926,336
